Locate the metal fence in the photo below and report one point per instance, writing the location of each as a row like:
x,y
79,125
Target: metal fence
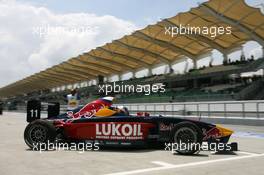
x,y
238,109
166,99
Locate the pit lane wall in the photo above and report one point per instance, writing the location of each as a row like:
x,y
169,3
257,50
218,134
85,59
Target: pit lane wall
x,y
249,112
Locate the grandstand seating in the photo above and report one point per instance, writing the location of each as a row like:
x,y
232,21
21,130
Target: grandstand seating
x,y
179,88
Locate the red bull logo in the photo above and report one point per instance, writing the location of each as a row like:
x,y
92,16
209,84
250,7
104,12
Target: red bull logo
x,y
212,133
90,109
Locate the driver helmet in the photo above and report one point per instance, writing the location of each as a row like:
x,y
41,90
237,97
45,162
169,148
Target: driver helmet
x,y
123,109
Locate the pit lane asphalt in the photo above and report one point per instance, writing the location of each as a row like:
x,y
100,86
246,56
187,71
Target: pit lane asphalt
x,y
15,158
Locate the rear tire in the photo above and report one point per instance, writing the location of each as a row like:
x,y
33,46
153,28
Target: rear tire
x,y
39,133
187,137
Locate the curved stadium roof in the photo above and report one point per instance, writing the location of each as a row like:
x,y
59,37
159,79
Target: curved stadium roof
x,y
151,46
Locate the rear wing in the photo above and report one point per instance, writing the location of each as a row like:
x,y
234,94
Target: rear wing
x,y
35,107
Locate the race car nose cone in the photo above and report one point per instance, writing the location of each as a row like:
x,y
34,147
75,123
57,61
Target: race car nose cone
x,y
224,131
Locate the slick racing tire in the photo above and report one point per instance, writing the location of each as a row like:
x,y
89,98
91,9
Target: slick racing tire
x,y
39,133
186,138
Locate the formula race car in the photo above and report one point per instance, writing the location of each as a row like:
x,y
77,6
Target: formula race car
x,y
106,125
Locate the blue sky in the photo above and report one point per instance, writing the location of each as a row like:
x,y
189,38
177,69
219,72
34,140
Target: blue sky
x,y
140,12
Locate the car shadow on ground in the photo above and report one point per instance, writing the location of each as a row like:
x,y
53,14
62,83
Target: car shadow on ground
x,y
225,153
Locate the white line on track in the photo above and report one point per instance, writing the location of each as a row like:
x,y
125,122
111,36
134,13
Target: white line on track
x,y
165,166
162,163
247,153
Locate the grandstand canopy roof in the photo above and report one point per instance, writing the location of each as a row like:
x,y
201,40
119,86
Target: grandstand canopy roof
x,y
152,45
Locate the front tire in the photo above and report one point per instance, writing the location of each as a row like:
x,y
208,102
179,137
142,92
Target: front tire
x,y
187,138
39,133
